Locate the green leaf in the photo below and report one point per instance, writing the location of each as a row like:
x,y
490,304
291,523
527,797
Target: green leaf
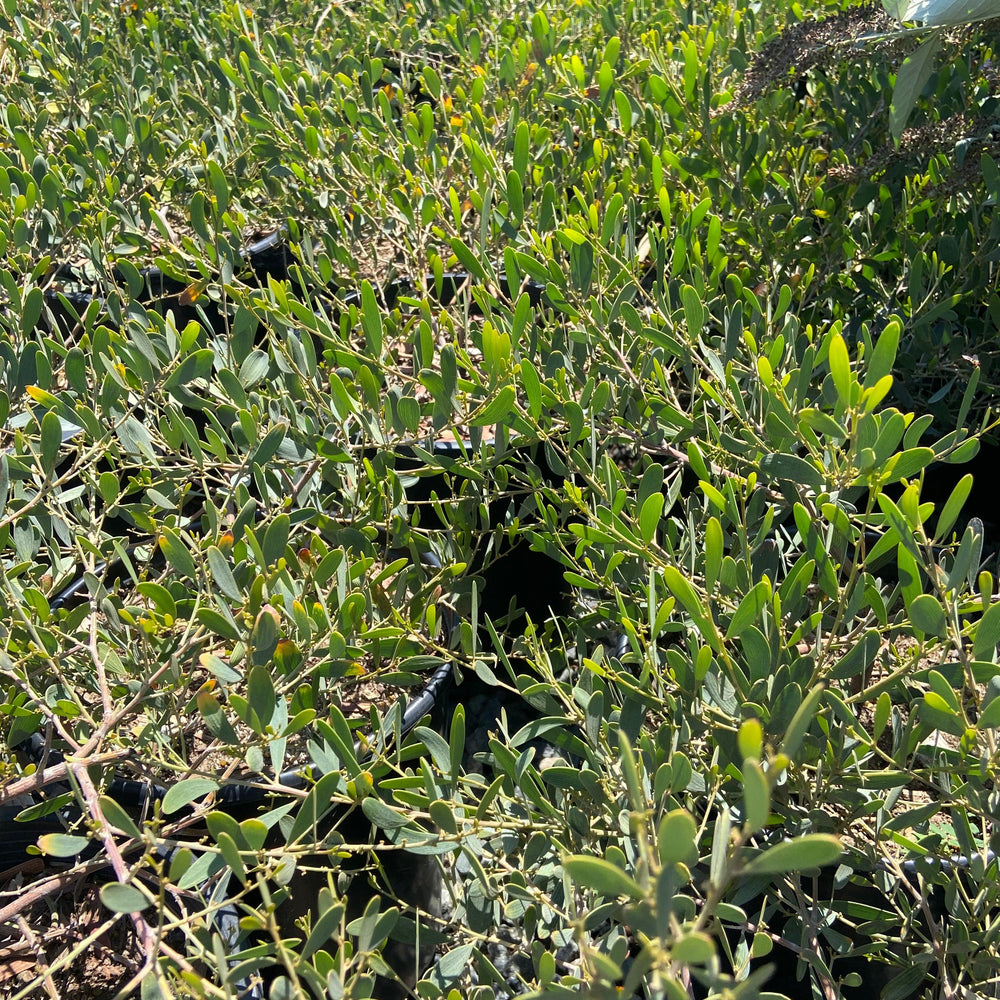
x,y
697,460
904,530
532,388
601,876
273,439
232,855
456,741
151,988
384,817
675,837
261,695
120,898
496,410
910,82
196,365
713,553
522,140
968,559
108,487
907,464
449,967
942,686
953,507
220,187
31,310
468,259
688,596
255,366
51,440
218,566
987,634
804,717
186,791
61,845
793,469
858,658
254,832
515,198
695,948
928,615
810,851
912,817
159,596
136,439
118,818
882,709
719,864
443,815
823,423
649,517
630,770
840,368
750,608
750,739
371,319
756,796
275,539
177,553
327,920
219,623
196,212
989,718
436,745
682,590
215,718
694,311
432,82
884,354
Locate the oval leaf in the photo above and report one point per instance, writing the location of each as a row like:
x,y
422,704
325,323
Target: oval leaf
x,y
601,876
793,469
675,837
383,816
118,818
840,368
186,791
177,553
987,634
910,81
496,409
123,898
928,615
811,851
215,718
756,795
693,949
649,517
61,845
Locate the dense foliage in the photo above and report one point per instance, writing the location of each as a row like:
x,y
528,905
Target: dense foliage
x,y
718,335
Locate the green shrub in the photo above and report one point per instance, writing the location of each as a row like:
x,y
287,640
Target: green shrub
x,y
763,327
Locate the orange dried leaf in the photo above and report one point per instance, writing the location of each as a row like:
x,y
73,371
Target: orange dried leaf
x,y
192,293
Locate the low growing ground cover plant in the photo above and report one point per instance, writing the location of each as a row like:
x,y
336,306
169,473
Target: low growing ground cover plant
x,y
703,335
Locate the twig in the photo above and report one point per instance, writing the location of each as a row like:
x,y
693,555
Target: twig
x,y
42,890
145,933
51,775
40,960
